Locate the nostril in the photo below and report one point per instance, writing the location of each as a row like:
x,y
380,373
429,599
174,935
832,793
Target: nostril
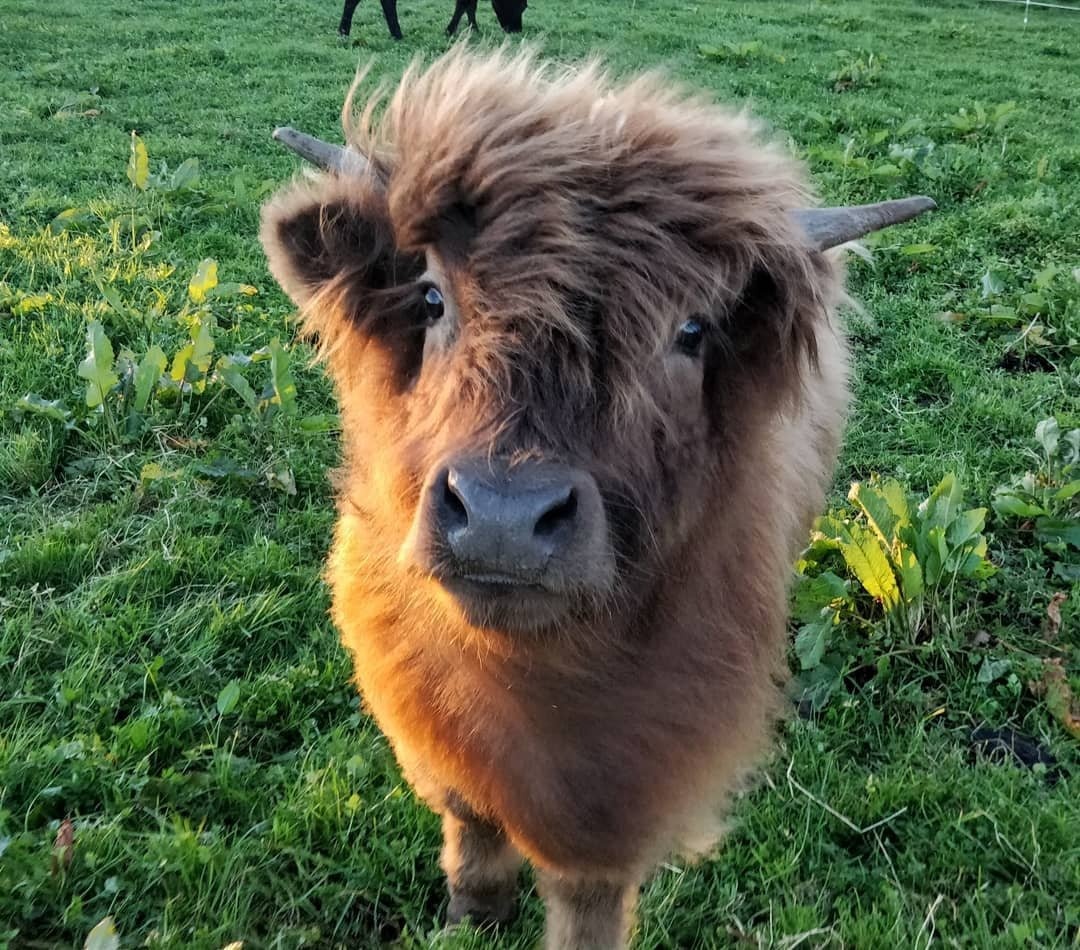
x,y
455,514
559,514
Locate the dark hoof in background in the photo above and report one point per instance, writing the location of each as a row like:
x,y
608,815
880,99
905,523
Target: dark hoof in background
x,y
482,907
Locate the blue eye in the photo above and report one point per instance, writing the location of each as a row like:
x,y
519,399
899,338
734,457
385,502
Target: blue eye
x,y
690,337
434,305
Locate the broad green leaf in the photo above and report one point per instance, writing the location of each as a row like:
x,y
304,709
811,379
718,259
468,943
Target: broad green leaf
x,y
324,422
221,466
867,561
281,378
1071,452
913,250
282,479
811,642
992,284
937,553
29,303
230,289
812,595
816,686
103,936
888,170
150,369
229,371
872,502
944,502
966,527
67,218
1047,433
97,368
973,562
185,176
1067,491
49,408
1045,277
993,670
138,167
1059,529
911,575
192,362
829,530
228,698
114,299
153,471
1032,303
1070,573
1007,504
204,280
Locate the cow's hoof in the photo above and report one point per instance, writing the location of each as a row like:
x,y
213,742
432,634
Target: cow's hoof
x,y
494,906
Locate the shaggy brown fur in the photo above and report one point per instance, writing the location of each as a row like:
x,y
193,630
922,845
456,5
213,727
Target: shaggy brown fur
x,y
573,225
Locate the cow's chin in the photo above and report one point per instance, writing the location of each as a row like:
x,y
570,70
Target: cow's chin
x,y
504,605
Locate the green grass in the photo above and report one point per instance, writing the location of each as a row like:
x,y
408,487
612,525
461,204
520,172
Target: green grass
x,y
131,598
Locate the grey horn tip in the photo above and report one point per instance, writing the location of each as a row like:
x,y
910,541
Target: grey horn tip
x,y
830,227
330,158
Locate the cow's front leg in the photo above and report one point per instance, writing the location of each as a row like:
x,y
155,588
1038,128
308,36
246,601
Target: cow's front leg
x,y
459,10
586,914
389,9
346,17
470,12
481,866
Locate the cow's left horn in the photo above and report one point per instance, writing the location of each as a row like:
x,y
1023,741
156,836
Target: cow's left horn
x,y
330,158
829,227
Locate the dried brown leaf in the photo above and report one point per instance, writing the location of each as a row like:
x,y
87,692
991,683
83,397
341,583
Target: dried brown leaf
x,y
1053,614
63,847
1053,687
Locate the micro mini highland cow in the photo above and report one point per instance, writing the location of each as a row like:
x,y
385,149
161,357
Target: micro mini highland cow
x,y
592,391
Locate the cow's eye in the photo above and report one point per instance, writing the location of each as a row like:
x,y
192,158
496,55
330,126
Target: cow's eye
x,y
690,337
433,304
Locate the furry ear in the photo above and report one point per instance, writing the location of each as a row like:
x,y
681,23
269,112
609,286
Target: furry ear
x,y
769,337
330,245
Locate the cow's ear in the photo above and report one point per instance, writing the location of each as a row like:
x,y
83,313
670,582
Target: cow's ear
x,y
771,331
330,245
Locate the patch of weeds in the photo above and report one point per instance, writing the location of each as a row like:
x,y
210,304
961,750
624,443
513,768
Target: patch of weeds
x,y
1046,501
741,53
859,69
29,456
883,574
910,157
981,121
1036,321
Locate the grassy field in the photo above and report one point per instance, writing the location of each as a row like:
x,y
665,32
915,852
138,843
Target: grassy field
x,y
169,680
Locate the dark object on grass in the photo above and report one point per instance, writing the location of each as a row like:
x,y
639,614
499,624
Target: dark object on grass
x,y
507,12
1007,745
592,387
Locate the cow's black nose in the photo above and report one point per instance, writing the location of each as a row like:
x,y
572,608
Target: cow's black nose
x,y
505,524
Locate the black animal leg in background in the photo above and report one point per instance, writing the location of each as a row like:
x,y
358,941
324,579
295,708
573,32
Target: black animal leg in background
x,y
346,17
468,7
389,9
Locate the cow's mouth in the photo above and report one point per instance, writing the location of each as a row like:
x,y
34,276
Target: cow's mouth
x,y
504,602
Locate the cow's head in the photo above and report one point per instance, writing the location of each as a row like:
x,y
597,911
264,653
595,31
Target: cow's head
x,y
548,304
509,14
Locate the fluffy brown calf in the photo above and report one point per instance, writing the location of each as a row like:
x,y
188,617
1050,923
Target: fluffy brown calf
x,y
592,392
